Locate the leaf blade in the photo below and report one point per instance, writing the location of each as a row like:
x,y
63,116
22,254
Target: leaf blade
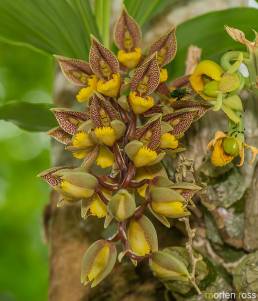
x,y
40,24
34,117
206,30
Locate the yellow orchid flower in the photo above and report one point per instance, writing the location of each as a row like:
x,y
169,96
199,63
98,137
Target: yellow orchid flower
x,y
219,156
111,87
142,236
105,135
168,141
171,209
97,207
144,156
98,262
81,140
142,174
105,157
85,93
140,104
138,242
163,75
205,69
74,190
129,59
75,185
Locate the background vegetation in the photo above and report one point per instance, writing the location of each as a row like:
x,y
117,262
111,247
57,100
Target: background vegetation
x,y
28,76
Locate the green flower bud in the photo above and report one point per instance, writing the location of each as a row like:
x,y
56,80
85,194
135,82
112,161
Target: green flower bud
x,y
119,128
211,88
75,184
98,262
234,102
230,146
122,205
168,202
132,148
166,266
142,236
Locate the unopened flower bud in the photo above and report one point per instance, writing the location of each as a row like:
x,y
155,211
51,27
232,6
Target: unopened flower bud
x,y
98,262
76,184
230,146
122,205
142,236
168,267
211,88
168,202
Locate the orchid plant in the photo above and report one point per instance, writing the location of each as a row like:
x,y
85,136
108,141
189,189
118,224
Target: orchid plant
x,y
133,120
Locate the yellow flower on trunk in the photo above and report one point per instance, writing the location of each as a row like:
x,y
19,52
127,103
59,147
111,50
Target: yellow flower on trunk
x,y
82,140
205,70
144,156
163,75
168,141
140,104
74,190
129,59
105,157
142,236
97,207
170,209
98,262
105,135
138,241
218,156
85,93
110,87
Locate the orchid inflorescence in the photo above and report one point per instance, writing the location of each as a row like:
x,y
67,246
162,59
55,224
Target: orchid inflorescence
x,y
132,120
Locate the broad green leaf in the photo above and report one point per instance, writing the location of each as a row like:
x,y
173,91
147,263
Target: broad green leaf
x,y
207,32
29,116
83,10
55,27
143,11
102,13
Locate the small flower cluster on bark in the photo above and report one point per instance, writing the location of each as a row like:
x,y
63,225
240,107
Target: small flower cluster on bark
x,y
221,85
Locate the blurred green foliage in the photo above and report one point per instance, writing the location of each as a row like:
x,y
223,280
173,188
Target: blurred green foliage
x,y
28,76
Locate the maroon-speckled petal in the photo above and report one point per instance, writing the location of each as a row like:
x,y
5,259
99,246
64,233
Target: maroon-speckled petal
x,y
76,71
149,69
100,53
60,135
166,44
126,23
69,120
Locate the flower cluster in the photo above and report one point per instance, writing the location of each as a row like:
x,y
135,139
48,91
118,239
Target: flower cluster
x,y
220,85
129,125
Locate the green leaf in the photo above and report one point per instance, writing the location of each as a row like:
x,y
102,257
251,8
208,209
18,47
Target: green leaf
x,y
56,27
29,116
207,32
143,11
102,13
83,10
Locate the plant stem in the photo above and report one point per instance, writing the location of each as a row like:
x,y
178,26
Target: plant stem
x,y
189,247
